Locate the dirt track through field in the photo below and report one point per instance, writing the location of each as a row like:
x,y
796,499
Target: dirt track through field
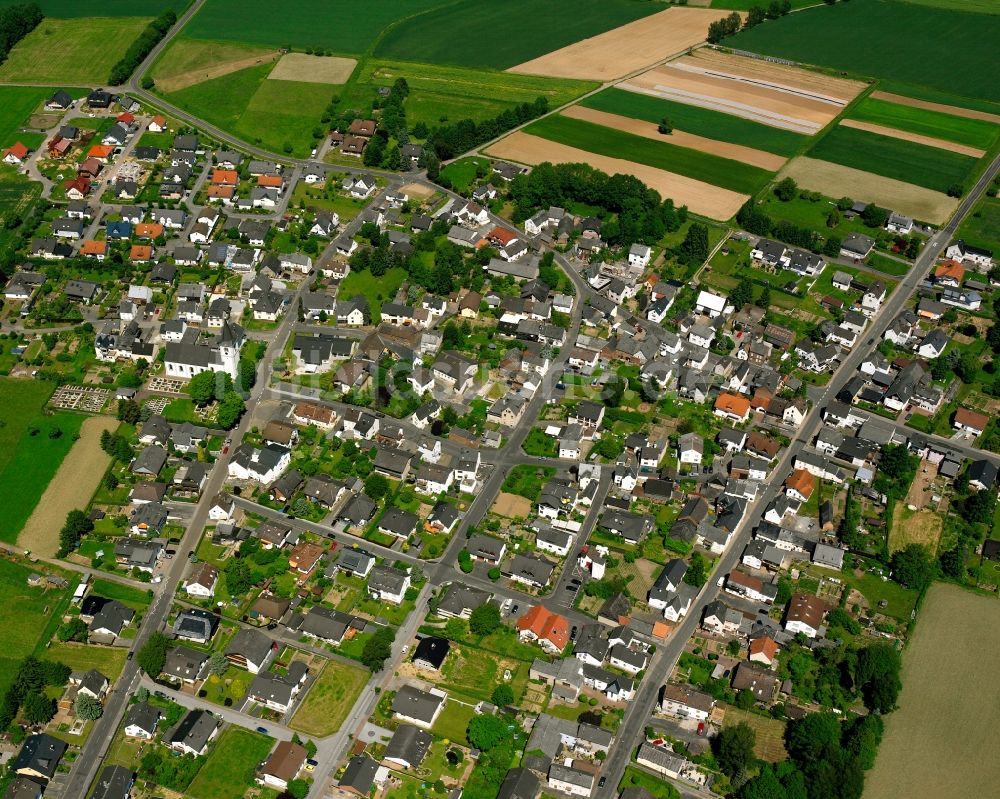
x,y
916,138
639,127
701,198
770,106
72,486
175,83
954,110
796,79
626,49
835,180
313,69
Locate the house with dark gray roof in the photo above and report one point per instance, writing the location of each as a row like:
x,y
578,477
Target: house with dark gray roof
x,y
39,757
194,624
408,746
192,735
250,650
359,776
278,691
398,522
141,720
431,652
185,664
115,782
418,707
356,561
460,600
388,584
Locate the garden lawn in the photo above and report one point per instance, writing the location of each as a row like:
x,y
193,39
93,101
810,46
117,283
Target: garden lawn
x,y
540,445
938,48
336,25
973,132
81,50
700,121
723,172
453,720
231,765
982,227
330,699
503,33
377,289
930,167
135,598
658,787
109,8
463,172
80,657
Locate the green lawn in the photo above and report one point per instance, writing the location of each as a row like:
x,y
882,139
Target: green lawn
x,y
230,769
658,787
527,481
982,227
700,121
442,93
330,699
463,172
17,103
133,597
376,289
541,445
972,132
108,8
930,167
941,49
453,721
80,50
271,113
503,33
599,139
32,446
80,657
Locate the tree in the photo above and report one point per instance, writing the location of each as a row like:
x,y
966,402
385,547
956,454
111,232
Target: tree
x,y
230,410
755,16
238,576
87,707
874,215
494,573
502,696
485,619
201,388
141,694
152,656
37,708
861,738
742,294
298,789
486,732
745,699
73,630
697,572
465,562
877,675
218,664
952,563
764,786
378,649
129,411
666,127
77,525
813,738
764,300
376,486
733,748
786,189
694,248
912,566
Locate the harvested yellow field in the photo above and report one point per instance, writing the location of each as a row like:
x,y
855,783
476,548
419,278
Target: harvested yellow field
x,y
313,68
843,181
782,76
954,110
895,133
417,190
512,506
916,527
639,127
701,198
71,487
189,61
622,51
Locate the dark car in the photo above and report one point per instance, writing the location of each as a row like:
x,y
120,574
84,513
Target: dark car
x,y
513,610
262,730
601,781
572,634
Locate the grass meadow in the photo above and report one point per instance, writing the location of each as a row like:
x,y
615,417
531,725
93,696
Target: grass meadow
x,y
723,172
944,50
17,103
230,768
442,93
27,462
982,227
972,132
80,50
71,9
336,25
330,699
185,56
950,698
377,289
700,121
271,113
930,167
503,33
463,172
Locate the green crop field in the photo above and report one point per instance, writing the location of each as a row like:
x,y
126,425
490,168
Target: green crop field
x,y
442,93
722,172
27,461
80,51
944,50
979,6
107,8
185,56
972,132
746,5
930,167
271,113
982,228
504,33
336,25
17,104
230,768
700,121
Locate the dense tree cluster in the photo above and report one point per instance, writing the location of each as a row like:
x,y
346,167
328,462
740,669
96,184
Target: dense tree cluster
x,y
77,525
27,691
378,648
640,214
448,141
151,36
16,22
728,26
152,655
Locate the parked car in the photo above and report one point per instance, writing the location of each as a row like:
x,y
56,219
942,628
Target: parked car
x,y
262,730
701,728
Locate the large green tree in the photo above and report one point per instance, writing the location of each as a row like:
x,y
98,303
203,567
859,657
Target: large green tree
x,y
485,619
152,656
733,748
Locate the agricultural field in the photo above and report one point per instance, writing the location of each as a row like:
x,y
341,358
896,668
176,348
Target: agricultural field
x,y
230,767
982,227
746,5
187,62
70,9
338,26
974,133
921,45
929,167
473,37
276,114
330,699
80,51
699,121
724,172
17,103
443,93
948,685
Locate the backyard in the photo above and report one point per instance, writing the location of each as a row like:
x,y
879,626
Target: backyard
x,y
231,765
330,699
